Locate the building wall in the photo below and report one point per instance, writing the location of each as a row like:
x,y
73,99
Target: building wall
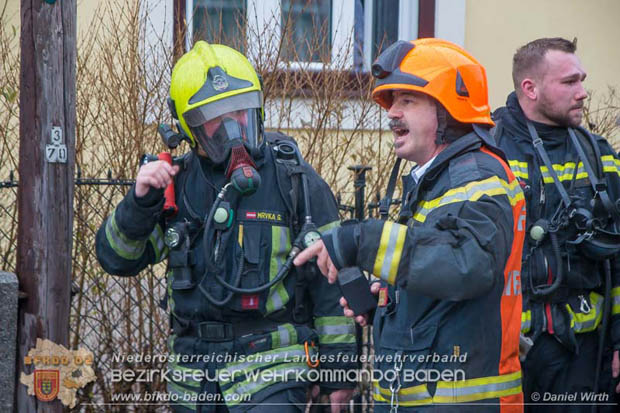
x,y
492,30
495,29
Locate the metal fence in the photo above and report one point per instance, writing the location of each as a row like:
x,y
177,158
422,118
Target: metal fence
x,y
113,315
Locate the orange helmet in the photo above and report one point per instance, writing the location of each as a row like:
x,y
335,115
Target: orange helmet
x,y
439,69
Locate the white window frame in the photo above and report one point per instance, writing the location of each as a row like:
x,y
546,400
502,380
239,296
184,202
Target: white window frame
x,y
263,14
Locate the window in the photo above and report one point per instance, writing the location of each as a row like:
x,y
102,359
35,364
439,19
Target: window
x,y
385,25
219,21
386,21
306,34
312,33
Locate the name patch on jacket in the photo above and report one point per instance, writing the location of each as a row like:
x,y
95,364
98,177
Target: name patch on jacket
x,y
276,217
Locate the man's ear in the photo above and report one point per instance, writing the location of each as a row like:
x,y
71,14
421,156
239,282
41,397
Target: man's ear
x,y
529,89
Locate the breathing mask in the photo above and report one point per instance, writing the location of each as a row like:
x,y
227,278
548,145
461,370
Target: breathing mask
x,y
226,140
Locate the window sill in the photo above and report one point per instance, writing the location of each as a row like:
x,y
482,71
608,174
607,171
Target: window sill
x,y
317,82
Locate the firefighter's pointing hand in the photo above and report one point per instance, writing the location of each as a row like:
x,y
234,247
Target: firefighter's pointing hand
x,y
323,261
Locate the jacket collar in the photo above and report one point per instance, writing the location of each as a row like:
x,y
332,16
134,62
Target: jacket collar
x,y
515,121
466,143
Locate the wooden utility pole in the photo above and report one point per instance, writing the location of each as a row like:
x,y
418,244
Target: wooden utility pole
x,y
46,179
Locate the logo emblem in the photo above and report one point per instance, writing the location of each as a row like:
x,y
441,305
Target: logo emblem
x,y
46,384
219,83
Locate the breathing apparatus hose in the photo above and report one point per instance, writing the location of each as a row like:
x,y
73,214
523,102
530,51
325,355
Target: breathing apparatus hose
x,y
298,245
546,290
229,296
604,324
279,276
210,259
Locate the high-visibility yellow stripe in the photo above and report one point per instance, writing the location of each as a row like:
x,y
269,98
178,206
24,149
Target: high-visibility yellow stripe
x,y
615,300
383,244
328,226
398,250
241,235
519,169
409,396
478,389
565,172
473,191
390,251
611,164
586,322
526,321
157,241
458,391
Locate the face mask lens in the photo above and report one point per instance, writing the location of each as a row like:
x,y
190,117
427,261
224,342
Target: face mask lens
x,y
218,135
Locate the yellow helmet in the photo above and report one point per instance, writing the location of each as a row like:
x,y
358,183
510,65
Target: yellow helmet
x,y
210,85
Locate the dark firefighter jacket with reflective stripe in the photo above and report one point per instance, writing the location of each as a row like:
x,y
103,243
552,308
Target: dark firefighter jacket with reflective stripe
x,y
583,289
132,238
452,265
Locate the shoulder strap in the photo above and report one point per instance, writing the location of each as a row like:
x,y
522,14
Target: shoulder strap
x,y
287,170
599,186
538,145
386,201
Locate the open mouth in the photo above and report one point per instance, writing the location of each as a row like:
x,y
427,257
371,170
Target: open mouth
x,y
399,131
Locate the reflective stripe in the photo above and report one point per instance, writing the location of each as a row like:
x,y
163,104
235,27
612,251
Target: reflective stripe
x,y
519,168
265,358
335,330
280,246
327,227
615,303
526,321
285,336
157,241
171,302
565,172
473,191
390,251
408,396
610,164
454,391
582,322
478,389
264,379
181,395
123,246
240,237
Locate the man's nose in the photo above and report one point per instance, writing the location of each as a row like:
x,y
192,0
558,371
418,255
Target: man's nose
x,y
394,112
581,93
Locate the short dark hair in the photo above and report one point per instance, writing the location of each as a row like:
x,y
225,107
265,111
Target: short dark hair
x,y
528,57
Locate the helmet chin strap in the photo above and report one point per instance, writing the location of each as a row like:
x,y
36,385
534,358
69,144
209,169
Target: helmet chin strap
x,y
448,128
442,124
